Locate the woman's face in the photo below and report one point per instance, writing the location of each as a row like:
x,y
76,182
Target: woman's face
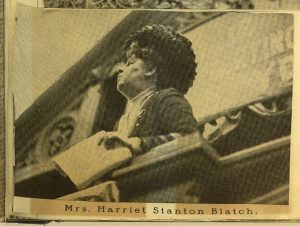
x,y
131,78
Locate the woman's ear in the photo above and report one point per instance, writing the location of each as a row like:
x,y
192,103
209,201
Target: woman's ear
x,y
150,70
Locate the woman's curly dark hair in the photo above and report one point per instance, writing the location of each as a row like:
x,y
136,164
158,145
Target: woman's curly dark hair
x,y
169,51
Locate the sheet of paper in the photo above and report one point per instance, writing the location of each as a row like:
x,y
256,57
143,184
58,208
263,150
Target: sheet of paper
x,y
65,93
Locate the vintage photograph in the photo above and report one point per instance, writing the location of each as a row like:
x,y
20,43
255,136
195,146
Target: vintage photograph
x,y
153,106
175,4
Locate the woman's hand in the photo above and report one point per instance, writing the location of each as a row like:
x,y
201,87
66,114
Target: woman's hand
x,y
113,140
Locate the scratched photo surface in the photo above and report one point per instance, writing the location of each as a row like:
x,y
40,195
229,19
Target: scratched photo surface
x,y
175,4
153,106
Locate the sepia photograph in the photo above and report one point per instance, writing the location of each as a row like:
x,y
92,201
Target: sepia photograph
x,y
153,107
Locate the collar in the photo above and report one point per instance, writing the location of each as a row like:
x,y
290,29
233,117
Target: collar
x,y
142,96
